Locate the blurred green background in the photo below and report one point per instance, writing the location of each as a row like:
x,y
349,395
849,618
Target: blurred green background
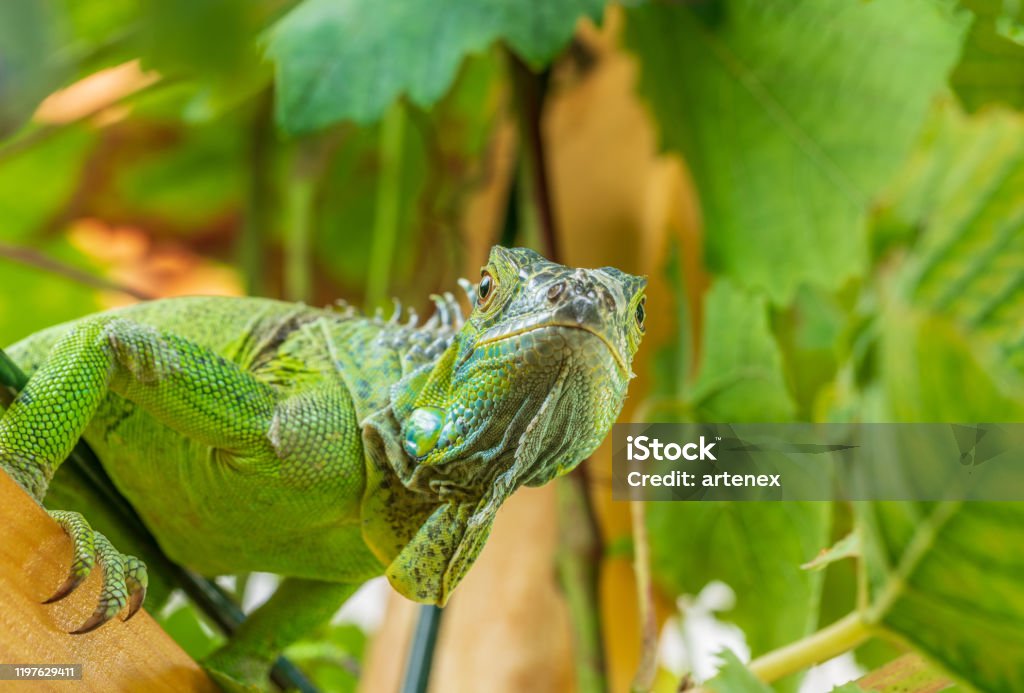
x,y
827,196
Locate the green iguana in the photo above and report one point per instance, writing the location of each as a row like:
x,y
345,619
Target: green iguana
x,y
327,447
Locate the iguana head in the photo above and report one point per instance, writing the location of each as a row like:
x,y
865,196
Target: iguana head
x,y
526,390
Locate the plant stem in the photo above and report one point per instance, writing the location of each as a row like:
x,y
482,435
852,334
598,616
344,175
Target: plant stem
x,y
252,244
36,259
298,242
578,562
647,669
388,206
831,641
530,91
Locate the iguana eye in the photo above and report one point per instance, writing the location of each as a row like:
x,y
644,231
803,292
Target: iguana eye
x,y
640,313
485,289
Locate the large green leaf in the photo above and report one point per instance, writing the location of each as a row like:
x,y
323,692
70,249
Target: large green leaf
x,y
952,319
948,577
992,66
757,548
740,375
350,59
791,115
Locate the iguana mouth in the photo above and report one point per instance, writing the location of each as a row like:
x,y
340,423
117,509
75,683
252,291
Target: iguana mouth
x,y
572,326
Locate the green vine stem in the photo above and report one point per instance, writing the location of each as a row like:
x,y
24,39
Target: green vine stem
x,y
831,641
300,196
388,205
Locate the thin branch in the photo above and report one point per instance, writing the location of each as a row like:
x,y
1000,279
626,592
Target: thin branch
x,y
36,259
647,669
530,91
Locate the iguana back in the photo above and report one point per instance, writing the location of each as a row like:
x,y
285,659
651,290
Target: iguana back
x,y
201,513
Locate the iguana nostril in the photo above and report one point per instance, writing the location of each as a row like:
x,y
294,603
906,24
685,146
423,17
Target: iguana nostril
x,y
555,290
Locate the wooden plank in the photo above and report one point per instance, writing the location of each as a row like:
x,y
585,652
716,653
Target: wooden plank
x,y
34,558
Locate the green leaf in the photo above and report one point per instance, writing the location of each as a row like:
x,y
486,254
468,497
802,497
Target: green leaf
x,y
187,628
186,186
350,60
757,549
733,677
945,578
991,69
933,371
905,674
951,321
332,656
28,68
740,374
791,116
939,575
847,547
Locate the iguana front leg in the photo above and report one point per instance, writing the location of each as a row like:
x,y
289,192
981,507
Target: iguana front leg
x,y
296,608
188,388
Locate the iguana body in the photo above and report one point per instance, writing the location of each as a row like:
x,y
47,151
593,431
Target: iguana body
x,y
252,434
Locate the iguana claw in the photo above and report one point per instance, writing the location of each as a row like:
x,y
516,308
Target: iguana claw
x,y
65,589
124,577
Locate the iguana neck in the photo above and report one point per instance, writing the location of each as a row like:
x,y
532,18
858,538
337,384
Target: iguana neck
x,y
374,356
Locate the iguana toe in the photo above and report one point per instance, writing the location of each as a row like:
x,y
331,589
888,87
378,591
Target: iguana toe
x,y
124,577
84,543
137,580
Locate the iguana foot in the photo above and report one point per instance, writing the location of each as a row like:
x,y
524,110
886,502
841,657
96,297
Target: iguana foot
x,y
124,577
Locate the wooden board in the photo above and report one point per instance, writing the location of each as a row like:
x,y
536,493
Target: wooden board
x,y
34,558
